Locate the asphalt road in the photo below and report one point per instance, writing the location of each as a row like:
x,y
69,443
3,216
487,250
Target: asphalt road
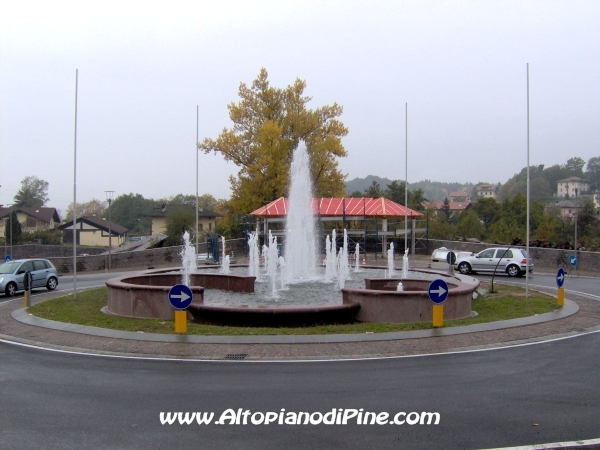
x,y
532,394
540,393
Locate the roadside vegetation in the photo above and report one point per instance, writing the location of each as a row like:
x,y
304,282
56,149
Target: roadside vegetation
x,y
508,302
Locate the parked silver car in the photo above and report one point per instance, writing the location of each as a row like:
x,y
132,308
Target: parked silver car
x,y
12,274
512,261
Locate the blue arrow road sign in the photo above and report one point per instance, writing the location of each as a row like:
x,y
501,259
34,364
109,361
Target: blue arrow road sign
x,y
573,260
560,277
7,258
438,291
180,296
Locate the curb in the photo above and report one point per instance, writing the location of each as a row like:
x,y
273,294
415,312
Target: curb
x,y
23,316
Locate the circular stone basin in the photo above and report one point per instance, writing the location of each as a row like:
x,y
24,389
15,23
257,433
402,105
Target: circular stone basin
x,y
236,299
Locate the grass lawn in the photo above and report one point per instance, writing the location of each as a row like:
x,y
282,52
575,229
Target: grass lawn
x,y
508,302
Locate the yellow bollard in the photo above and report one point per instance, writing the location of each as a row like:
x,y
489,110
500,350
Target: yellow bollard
x,y
180,321
25,299
438,316
561,297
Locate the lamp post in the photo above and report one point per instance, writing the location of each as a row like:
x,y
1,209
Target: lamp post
x,y
5,236
576,191
197,149
109,197
11,231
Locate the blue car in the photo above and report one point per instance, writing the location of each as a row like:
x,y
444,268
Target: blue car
x,y
12,274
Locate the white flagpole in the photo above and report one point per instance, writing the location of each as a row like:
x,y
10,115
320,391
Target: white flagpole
x,y
528,212
75,193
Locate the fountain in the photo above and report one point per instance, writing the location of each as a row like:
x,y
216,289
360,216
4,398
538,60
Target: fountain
x,y
225,264
390,261
343,266
294,293
253,256
357,258
300,237
188,259
330,257
405,264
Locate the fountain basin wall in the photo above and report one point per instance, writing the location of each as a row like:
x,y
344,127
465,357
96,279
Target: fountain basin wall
x,y
274,316
380,302
145,294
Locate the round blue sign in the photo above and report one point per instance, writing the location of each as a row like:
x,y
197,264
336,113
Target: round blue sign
x,y
573,260
438,291
7,258
180,296
560,277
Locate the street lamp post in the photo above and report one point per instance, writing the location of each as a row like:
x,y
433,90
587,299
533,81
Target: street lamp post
x,y
109,197
11,231
197,149
576,192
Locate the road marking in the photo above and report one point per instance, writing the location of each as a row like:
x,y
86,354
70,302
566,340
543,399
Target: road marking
x,y
554,445
373,358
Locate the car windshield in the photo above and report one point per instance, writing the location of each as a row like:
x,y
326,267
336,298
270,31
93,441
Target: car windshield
x,y
9,267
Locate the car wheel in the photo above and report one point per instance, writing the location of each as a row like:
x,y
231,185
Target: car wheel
x,y
11,289
51,284
513,270
464,268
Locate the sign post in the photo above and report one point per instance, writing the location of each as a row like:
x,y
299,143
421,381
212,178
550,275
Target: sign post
x,y
560,279
180,297
451,259
438,292
27,278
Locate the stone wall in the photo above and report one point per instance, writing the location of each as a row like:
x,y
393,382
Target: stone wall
x,y
144,258
50,251
542,257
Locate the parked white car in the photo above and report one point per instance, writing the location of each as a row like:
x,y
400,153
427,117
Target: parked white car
x,y
440,254
512,261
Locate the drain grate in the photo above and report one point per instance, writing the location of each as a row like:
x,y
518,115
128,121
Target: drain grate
x,y
236,356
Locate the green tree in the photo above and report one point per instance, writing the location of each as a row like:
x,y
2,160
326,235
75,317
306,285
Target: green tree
x,y
207,202
587,219
575,166
440,227
488,211
132,212
93,207
469,225
178,221
33,193
268,125
593,172
445,209
416,199
374,190
13,226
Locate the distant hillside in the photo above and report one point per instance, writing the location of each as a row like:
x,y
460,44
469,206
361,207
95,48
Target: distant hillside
x,y
361,184
434,190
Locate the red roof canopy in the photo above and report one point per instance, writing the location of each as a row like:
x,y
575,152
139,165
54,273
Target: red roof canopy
x,y
338,207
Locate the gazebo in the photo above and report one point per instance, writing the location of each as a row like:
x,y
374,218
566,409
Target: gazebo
x,y
374,209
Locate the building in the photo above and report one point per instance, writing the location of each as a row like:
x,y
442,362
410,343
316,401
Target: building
x,y
31,219
459,196
455,207
386,217
94,231
486,191
207,220
571,187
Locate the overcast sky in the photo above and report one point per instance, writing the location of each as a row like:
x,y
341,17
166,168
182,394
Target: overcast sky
x,y
143,68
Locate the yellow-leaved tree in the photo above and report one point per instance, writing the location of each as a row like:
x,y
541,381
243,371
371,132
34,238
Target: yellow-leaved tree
x,y
268,124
